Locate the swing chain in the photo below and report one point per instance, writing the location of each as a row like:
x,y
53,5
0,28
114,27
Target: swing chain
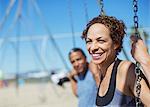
x,y
137,68
138,85
136,24
101,3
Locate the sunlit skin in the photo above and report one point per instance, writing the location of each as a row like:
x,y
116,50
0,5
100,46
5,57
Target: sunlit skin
x,y
78,61
140,53
100,45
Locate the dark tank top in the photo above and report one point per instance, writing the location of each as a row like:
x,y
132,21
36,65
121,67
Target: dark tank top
x,y
113,97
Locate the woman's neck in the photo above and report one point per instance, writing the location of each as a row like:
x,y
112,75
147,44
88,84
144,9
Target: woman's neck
x,y
104,67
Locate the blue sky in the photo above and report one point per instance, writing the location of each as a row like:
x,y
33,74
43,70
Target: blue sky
x,y
56,16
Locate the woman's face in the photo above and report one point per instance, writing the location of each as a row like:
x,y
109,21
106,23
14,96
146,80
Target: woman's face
x,y
78,61
99,43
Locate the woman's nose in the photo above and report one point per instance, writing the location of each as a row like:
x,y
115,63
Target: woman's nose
x,y
94,47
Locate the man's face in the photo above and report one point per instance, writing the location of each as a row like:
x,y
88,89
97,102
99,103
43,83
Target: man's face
x,y
78,61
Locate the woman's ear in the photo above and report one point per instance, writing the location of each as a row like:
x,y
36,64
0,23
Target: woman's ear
x,y
116,46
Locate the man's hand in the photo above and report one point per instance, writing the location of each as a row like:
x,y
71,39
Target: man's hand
x,y
95,71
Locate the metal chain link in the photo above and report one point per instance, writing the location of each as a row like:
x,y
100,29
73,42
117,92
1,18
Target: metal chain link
x,y
101,3
137,68
136,25
138,85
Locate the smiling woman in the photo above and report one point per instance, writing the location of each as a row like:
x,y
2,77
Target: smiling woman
x,y
103,36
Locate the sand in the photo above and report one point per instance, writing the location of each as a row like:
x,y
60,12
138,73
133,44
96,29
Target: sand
x,y
38,95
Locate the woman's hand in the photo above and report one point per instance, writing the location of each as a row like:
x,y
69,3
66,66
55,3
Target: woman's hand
x,y
139,50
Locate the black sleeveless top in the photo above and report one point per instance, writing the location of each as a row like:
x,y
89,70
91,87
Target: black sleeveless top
x,y
114,97
105,100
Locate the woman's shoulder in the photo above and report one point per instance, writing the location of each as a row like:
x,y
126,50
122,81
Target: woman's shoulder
x,y
126,68
126,65
126,74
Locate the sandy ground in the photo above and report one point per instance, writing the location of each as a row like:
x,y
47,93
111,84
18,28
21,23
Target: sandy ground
x,y
38,95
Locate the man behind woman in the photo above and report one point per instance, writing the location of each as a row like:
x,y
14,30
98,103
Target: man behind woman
x,y
81,78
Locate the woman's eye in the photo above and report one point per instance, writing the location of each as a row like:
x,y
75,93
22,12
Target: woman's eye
x,y
87,41
101,41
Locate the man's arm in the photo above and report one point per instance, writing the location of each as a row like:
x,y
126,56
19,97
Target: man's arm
x,y
95,72
73,81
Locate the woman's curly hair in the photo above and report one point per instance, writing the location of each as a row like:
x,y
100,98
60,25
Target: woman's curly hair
x,y
116,27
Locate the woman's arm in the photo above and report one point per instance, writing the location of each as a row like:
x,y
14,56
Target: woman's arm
x,y
140,54
145,91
